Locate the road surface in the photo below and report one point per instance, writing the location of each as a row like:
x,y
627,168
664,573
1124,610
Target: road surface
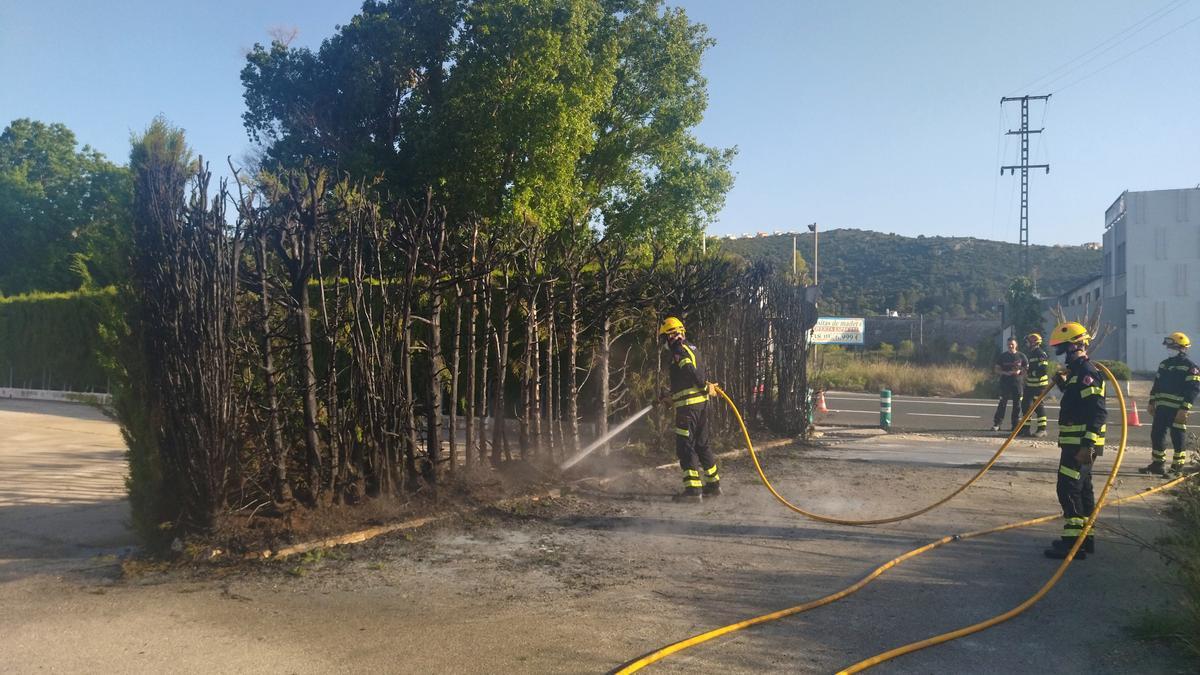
x,y
965,415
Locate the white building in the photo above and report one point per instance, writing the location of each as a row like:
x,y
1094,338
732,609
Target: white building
x,y
1151,273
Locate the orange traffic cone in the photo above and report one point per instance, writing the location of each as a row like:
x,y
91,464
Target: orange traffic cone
x,y
821,407
1132,419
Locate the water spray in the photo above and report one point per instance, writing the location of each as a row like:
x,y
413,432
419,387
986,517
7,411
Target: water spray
x,y
604,439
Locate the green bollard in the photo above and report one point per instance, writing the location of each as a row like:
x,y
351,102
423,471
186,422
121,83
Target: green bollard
x,y
885,409
808,400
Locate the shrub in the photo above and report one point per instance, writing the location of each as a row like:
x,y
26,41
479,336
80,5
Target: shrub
x,y
50,340
1184,545
1119,369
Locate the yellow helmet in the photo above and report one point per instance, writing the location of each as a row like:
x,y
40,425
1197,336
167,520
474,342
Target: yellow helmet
x,y
1034,338
671,325
1070,331
1177,340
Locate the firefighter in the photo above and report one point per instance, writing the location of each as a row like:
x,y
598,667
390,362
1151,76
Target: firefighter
x,y
1171,397
1037,378
1081,429
689,397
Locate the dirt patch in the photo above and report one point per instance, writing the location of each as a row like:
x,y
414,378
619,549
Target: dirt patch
x,y
584,582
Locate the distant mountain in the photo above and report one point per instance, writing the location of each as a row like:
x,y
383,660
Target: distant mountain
x,y
864,272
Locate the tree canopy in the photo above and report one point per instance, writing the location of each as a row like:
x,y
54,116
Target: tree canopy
x,y
551,113
63,210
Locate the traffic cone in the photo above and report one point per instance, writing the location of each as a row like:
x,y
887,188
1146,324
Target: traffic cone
x,y
1132,419
821,407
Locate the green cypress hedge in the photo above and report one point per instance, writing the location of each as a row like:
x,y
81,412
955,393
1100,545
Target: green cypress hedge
x,y
52,341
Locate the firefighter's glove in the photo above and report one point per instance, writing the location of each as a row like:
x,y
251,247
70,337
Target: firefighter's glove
x,y
1181,416
1084,455
664,400
711,388
1150,408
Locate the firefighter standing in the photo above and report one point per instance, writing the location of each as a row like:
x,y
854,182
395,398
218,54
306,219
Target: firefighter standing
x,y
689,397
1171,397
1080,435
1036,380
1010,366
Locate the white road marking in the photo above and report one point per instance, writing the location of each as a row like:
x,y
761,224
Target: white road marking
x,y
974,417
872,412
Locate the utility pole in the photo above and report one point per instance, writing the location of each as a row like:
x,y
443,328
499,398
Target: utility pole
x,y
1024,166
812,227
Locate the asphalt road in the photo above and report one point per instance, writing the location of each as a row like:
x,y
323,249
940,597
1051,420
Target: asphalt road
x,y
966,415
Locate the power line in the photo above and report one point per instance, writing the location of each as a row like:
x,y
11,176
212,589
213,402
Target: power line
x,y
1104,45
1122,58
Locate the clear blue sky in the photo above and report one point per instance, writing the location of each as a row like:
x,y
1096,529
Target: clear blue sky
x,y
880,115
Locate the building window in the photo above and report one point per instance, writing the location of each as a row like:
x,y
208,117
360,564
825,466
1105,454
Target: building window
x,y
1120,259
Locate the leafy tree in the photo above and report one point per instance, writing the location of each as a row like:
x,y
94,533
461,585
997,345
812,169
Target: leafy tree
x,y
1024,308
63,211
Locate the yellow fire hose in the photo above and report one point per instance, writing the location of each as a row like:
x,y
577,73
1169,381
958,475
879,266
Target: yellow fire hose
x,y
878,521
676,647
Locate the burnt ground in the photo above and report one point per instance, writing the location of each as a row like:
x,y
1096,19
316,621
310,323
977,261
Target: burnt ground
x,y
587,581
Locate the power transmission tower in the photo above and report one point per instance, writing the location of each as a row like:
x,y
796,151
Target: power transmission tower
x,y
1024,166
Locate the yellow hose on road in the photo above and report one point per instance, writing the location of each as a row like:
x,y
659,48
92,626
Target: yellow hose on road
x,y
877,521
1041,592
676,647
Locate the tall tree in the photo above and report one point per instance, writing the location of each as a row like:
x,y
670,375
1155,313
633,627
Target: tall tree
x,y
64,212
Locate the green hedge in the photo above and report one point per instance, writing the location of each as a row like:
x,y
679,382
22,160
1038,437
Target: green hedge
x,y
51,340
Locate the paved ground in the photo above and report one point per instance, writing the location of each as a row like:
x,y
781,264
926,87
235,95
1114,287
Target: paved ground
x,y
586,582
961,415
62,486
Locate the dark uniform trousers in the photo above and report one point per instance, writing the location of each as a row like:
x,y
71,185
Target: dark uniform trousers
x,y
1164,421
1039,417
691,446
1075,493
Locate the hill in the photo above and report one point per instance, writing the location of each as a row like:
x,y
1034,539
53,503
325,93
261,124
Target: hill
x,y
864,272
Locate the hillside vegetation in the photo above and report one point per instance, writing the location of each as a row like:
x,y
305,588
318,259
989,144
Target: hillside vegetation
x,y
864,272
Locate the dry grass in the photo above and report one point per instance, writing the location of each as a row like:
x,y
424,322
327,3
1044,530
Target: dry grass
x,y
872,375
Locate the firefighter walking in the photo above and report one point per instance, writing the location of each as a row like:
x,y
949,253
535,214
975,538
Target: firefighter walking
x,y
689,398
1037,378
1081,428
1171,397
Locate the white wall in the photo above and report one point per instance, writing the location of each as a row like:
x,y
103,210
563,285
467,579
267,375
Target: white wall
x,y
1161,284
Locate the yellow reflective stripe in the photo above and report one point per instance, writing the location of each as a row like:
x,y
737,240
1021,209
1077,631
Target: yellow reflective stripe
x,y
686,362
1068,440
1192,378
682,432
1068,428
1181,427
690,401
683,393
1091,391
1169,397
693,483
1068,472
1094,437
690,473
712,479
712,470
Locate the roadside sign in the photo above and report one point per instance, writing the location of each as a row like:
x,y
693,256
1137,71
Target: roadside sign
x,y
838,330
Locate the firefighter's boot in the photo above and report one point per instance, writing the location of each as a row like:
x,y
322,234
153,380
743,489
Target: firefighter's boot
x,y
689,495
712,490
1155,468
1059,548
